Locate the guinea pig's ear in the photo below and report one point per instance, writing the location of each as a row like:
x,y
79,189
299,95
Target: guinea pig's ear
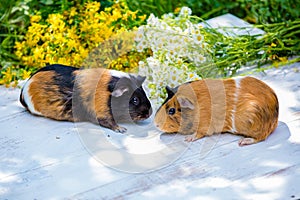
x,y
119,91
140,80
185,103
170,91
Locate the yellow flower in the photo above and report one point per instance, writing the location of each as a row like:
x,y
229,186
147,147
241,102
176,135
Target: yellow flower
x,y
177,10
73,12
55,21
35,19
125,16
92,6
7,74
83,52
63,61
283,59
72,44
133,14
273,57
142,17
38,53
116,15
25,74
60,40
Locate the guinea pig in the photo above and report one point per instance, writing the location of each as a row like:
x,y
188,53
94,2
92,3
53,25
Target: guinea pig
x,y
243,106
98,95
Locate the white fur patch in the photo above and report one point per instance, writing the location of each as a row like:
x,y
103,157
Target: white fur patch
x,y
27,98
118,74
237,81
236,96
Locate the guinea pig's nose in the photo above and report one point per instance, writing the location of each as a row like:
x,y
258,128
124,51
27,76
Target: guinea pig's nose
x,y
147,113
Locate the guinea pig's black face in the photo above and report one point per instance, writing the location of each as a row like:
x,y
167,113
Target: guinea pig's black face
x,y
129,102
139,105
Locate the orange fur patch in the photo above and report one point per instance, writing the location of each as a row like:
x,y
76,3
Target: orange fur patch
x,y
46,97
257,109
93,86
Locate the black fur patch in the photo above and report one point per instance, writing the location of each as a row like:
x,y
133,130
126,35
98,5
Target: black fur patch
x,y
122,108
143,110
65,79
60,69
168,98
112,83
22,100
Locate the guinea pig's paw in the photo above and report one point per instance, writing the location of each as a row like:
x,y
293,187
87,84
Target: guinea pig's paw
x,y
191,138
120,129
246,141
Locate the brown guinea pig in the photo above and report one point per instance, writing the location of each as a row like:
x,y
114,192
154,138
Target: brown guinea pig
x,y
98,95
243,106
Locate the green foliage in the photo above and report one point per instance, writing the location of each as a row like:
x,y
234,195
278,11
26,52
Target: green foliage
x,y
229,54
255,11
271,11
46,7
13,22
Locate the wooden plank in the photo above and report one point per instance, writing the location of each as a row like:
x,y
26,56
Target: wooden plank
x,y
231,25
8,104
42,158
225,169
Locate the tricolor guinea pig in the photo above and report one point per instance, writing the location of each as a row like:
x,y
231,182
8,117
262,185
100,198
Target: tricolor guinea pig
x,y
97,95
243,106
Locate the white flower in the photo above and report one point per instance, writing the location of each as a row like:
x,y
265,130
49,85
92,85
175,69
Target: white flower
x,y
177,45
185,11
197,37
167,16
152,20
143,69
192,76
142,45
140,34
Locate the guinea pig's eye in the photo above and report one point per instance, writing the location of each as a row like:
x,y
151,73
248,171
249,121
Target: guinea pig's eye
x,y
172,111
135,101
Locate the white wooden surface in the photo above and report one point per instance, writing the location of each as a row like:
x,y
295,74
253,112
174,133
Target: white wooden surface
x,y
232,25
